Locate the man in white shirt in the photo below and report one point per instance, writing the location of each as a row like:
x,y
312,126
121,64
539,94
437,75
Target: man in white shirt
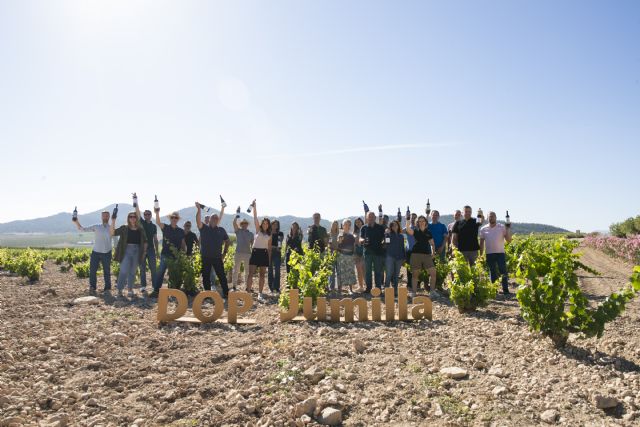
x,y
492,238
101,253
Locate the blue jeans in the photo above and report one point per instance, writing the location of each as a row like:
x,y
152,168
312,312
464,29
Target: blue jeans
x,y
392,267
150,256
498,267
273,271
157,284
94,261
128,267
373,264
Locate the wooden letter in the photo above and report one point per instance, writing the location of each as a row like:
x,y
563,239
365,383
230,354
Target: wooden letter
x,y
233,309
218,306
322,309
389,305
163,301
348,304
293,306
307,308
423,308
402,304
376,310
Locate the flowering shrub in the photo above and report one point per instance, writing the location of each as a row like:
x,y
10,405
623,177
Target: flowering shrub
x,y
625,248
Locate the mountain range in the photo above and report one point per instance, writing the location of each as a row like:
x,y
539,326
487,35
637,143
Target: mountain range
x,y
61,222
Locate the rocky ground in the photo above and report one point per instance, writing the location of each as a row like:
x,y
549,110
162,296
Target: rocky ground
x,y
111,364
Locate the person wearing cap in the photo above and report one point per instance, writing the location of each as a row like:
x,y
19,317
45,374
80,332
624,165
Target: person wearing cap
x,y
212,240
190,238
244,240
101,253
131,249
151,233
172,237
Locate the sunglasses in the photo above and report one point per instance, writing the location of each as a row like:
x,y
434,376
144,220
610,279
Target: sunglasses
x,y
147,214
131,216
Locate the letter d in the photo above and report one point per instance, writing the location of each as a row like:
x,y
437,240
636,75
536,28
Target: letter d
x,y
163,302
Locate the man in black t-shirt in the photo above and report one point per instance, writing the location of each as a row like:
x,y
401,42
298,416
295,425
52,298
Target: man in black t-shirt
x,y
465,235
318,237
371,238
190,238
172,237
214,244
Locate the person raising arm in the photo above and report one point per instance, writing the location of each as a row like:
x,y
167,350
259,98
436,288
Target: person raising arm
x,y
260,254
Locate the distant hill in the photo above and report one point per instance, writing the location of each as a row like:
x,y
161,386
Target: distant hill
x,y
61,222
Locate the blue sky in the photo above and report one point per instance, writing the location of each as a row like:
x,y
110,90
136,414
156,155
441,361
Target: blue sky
x,y
531,106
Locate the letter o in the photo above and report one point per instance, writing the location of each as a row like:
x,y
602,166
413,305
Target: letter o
x,y
218,306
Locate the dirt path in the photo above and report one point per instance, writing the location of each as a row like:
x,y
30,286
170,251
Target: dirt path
x,y
110,364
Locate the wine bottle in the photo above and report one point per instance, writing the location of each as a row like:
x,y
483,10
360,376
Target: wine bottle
x,y
366,207
238,212
156,204
408,214
114,215
74,218
135,200
428,209
399,216
380,214
508,220
222,202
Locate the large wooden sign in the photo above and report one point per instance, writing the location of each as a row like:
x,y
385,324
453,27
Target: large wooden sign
x,y
325,311
233,308
420,310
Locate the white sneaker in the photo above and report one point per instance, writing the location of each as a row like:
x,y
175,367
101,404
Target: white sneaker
x,y
260,297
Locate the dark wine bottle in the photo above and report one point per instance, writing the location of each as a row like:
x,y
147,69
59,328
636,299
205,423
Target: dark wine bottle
x,y
74,218
428,209
399,216
238,212
156,204
366,207
114,215
135,200
222,202
508,220
408,214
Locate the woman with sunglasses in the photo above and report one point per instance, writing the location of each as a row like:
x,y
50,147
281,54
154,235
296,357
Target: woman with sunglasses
x,y
345,267
130,250
358,256
276,256
261,253
422,254
294,243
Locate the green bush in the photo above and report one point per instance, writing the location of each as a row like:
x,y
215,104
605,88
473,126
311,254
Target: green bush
x,y
309,274
24,262
81,270
551,300
470,286
182,272
626,228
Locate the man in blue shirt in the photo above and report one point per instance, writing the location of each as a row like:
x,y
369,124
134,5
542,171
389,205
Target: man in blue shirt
x,y
439,232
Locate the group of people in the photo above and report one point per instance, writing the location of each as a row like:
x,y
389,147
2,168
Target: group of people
x,y
368,252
